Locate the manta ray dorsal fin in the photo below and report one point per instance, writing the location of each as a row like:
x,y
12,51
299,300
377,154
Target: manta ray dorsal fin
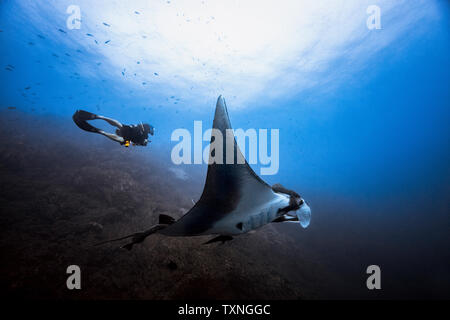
x,y
228,186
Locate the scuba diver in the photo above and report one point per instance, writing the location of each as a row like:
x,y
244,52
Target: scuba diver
x,y
125,134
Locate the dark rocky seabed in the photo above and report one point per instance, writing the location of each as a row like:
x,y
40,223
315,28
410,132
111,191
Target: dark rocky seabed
x,y
63,190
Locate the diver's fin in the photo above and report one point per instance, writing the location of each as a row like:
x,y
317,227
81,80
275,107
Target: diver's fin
x,y
229,183
80,117
221,238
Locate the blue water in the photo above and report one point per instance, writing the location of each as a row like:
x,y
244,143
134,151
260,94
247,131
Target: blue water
x,y
372,131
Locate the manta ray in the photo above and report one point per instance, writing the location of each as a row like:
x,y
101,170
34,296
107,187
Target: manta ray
x,y
235,200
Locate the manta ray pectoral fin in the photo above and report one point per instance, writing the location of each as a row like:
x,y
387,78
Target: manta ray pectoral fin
x,y
231,186
221,238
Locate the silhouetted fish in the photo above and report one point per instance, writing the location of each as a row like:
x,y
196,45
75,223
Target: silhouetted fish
x,y
172,265
61,30
108,41
106,24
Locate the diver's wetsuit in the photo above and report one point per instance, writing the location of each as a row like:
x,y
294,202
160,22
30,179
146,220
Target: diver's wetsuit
x,y
137,134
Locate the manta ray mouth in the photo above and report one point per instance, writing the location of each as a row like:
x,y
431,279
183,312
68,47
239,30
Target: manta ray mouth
x,y
304,215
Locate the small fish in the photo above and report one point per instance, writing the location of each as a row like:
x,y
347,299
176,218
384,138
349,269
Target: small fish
x,y
144,83
61,30
28,88
89,34
172,97
55,55
136,12
30,43
156,74
67,54
41,36
172,265
79,51
96,41
9,69
108,25
123,73
12,108
108,41
144,37
138,62
99,63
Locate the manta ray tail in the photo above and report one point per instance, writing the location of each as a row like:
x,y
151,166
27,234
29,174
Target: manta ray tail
x,y
138,237
221,238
